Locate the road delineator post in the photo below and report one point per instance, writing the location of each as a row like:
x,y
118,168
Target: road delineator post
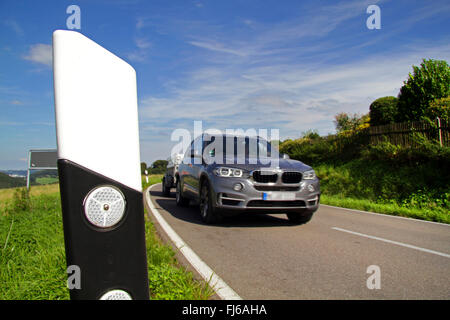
x,y
99,169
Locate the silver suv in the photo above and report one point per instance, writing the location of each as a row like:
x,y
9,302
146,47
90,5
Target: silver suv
x,y
249,177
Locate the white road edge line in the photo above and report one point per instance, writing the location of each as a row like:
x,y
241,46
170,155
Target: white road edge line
x,y
385,215
393,242
224,291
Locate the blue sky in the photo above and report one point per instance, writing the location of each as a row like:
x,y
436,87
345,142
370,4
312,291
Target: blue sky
x,y
288,65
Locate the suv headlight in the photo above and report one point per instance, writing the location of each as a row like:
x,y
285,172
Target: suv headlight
x,y
309,175
229,172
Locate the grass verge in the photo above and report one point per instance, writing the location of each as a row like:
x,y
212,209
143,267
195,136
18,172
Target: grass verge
x,y
385,208
32,255
420,191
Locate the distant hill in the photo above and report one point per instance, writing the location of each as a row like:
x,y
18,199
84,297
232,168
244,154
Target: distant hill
x,y
21,173
17,178
10,182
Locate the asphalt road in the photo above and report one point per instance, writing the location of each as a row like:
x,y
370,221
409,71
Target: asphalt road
x,y
266,257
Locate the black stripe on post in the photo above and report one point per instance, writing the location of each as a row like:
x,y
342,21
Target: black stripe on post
x,y
108,258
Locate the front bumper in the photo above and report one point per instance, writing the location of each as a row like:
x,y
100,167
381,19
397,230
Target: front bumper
x,y
256,197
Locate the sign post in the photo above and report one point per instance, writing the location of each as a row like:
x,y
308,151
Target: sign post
x,y
99,169
43,159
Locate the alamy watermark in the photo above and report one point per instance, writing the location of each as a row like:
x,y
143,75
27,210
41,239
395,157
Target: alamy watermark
x,y
74,20
374,20
74,277
374,280
252,146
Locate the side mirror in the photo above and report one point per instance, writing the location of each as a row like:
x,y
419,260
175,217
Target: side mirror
x,y
285,156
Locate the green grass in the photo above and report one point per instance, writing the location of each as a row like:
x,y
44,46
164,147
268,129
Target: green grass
x,y
152,179
386,208
168,280
421,191
46,180
32,255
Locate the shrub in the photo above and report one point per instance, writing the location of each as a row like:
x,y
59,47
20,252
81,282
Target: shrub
x,y
423,150
381,151
307,150
383,111
337,148
21,200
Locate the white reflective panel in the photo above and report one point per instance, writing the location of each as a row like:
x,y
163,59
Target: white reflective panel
x,y
96,108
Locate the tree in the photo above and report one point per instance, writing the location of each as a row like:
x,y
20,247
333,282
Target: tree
x,y
160,165
143,167
311,134
439,108
383,111
428,82
350,123
342,122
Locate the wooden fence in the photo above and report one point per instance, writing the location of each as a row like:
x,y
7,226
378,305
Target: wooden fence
x,y
401,133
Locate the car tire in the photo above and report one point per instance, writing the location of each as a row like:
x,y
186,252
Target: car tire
x,y
180,200
208,211
299,217
165,189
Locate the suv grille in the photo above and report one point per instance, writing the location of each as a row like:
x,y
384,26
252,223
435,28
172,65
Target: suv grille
x,y
291,177
264,178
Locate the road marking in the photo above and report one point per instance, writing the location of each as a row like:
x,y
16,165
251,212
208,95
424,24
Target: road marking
x,y
393,242
385,215
223,290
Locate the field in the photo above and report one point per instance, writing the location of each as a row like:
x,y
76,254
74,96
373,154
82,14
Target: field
x,y
32,256
46,180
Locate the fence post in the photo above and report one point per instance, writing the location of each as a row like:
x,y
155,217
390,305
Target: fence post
x,y
440,130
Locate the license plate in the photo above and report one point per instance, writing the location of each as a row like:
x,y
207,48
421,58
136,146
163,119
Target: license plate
x,y
282,196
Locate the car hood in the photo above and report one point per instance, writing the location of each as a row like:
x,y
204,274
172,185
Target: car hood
x,y
251,164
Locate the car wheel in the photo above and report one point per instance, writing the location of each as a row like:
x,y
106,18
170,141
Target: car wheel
x,y
299,217
166,190
208,211
180,200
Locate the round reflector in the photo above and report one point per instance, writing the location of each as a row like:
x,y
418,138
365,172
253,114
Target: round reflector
x,y
116,295
104,206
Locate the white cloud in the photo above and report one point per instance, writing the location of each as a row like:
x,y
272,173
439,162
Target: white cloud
x,y
142,43
17,102
137,56
11,123
40,53
291,76
140,23
267,39
215,46
294,97
12,24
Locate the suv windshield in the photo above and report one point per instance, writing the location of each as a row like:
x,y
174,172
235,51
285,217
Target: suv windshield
x,y
237,147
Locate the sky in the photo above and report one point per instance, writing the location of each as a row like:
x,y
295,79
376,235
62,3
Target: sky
x,y
286,65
